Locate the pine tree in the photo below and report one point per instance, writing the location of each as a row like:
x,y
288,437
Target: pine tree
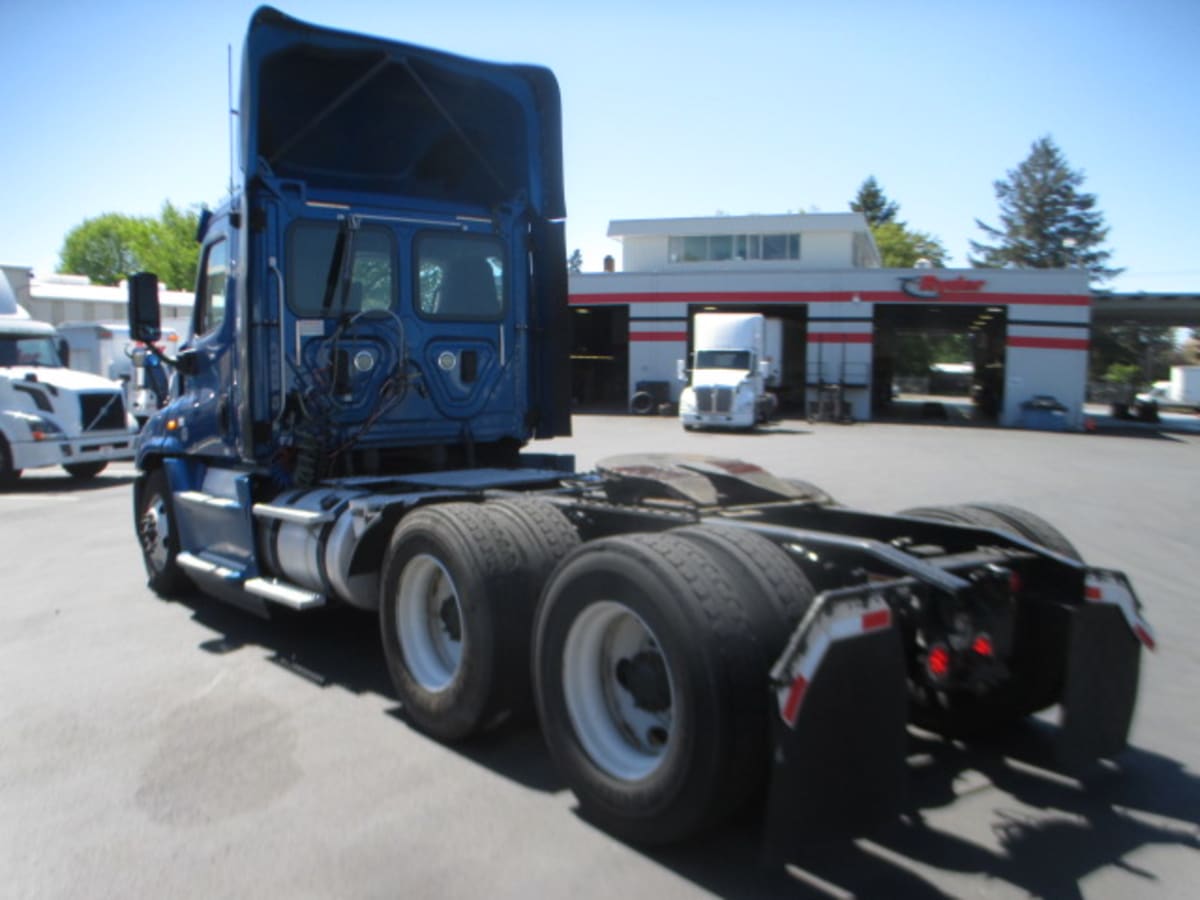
x,y
900,247
1046,221
874,204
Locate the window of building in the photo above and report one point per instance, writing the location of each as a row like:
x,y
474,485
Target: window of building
x,y
724,247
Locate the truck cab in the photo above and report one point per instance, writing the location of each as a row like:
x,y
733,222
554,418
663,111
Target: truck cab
x,y
51,415
735,357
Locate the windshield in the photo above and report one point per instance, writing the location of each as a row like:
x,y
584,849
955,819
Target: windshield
x,y
33,350
723,359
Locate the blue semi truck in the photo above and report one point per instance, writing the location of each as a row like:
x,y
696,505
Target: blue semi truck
x,y
379,334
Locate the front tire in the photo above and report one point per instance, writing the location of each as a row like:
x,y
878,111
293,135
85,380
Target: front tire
x,y
8,475
159,536
85,471
651,686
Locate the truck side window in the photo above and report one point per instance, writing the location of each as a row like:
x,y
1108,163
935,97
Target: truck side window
x,y
311,246
460,276
210,308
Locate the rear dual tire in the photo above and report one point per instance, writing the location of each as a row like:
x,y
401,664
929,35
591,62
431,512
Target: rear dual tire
x,y
650,661
458,590
1036,679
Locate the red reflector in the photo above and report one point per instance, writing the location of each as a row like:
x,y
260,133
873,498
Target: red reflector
x,y
1014,582
1144,637
791,708
983,645
880,618
938,662
1092,592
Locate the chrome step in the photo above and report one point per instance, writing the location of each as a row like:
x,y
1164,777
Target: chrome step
x,y
216,568
281,592
292,514
199,498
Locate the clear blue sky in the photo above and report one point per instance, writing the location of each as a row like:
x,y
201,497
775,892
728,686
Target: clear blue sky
x,y
670,108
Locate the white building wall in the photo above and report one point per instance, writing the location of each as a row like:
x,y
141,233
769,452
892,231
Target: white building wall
x,y
827,250
644,253
657,341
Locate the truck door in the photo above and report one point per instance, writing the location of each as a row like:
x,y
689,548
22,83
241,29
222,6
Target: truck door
x,y
209,392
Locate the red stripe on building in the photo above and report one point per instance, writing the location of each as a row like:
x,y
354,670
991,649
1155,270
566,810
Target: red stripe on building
x,y
1044,343
658,335
839,337
766,297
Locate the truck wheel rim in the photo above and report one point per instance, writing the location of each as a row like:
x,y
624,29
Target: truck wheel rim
x,y
625,734
155,531
429,622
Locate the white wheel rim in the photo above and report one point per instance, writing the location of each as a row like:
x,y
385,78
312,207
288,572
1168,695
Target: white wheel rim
x,y
155,531
429,622
624,739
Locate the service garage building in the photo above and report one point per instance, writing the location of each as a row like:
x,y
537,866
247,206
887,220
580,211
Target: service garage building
x,y
841,313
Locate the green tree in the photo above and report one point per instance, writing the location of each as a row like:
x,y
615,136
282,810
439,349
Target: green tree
x,y
1046,220
109,247
575,262
874,204
104,248
1146,348
168,247
901,247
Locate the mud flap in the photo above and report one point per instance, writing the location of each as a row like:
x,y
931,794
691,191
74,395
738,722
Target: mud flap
x,y
1101,685
840,769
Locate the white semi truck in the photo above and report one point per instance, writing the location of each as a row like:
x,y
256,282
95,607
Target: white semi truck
x,y
105,349
736,358
51,415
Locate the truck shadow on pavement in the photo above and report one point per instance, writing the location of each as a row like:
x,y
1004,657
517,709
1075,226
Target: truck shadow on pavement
x,y
341,646
61,483
1036,830
1044,831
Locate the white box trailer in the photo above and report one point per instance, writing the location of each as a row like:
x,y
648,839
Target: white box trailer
x,y
1185,385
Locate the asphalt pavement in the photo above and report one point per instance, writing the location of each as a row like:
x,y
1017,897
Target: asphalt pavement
x,y
186,749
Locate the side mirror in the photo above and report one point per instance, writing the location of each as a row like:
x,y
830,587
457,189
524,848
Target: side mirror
x,y
64,352
144,323
681,370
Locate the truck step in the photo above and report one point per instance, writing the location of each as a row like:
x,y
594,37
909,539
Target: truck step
x,y
283,593
292,514
215,567
200,498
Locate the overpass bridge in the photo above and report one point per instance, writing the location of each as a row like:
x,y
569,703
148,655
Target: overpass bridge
x,y
1145,309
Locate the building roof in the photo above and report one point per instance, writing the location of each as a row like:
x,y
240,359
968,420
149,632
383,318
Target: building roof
x,y
78,288
755,224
